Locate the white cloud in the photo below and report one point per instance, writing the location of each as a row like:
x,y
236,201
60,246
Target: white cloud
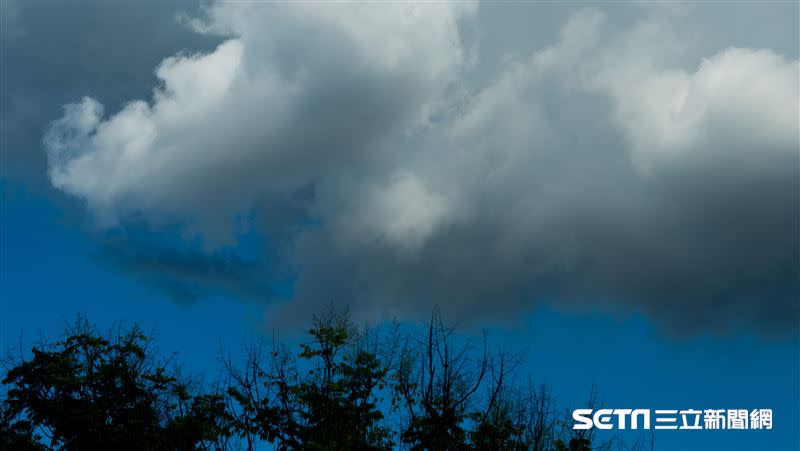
x,y
752,94
296,94
613,166
405,212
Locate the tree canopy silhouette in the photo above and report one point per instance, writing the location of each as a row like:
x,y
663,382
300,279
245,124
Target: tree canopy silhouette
x,y
105,391
343,388
326,400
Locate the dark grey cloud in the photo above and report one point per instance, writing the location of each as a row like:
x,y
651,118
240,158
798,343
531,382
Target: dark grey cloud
x,y
187,275
626,163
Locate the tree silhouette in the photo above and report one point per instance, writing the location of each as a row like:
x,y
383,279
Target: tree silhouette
x,y
345,388
325,398
105,391
436,382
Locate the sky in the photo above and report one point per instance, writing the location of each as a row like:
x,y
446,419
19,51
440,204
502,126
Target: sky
x,y
611,186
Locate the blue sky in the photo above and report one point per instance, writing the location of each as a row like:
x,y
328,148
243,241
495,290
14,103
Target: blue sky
x,y
612,189
54,277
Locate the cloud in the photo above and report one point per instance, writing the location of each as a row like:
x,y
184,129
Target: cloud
x,y
54,54
187,275
613,168
298,94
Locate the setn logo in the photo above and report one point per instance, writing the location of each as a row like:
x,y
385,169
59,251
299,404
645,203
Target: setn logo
x,y
605,418
730,419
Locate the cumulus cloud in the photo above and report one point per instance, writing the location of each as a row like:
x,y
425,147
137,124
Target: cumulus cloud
x,y
298,95
56,55
611,168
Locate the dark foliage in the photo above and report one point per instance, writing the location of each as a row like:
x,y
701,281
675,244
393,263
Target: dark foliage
x,y
326,398
346,388
92,391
